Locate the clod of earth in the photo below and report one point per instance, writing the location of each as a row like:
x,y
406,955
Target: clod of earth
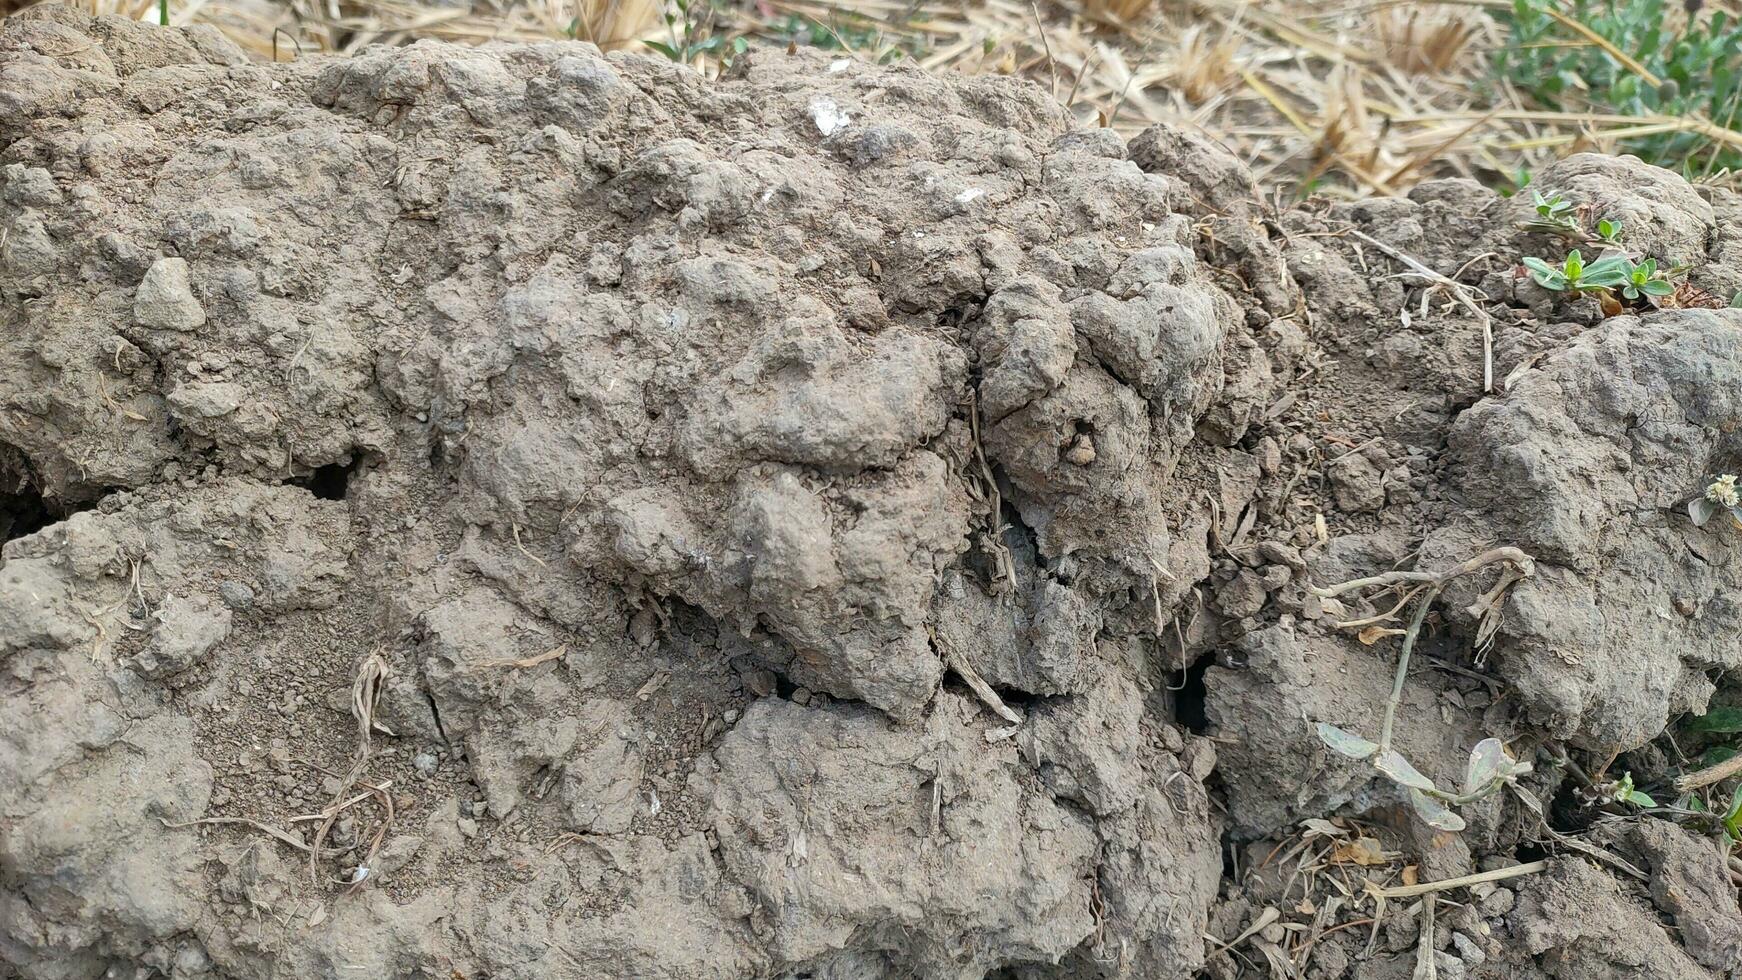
x,y
518,512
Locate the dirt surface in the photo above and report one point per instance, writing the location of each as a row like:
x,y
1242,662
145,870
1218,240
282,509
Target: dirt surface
x,y
513,512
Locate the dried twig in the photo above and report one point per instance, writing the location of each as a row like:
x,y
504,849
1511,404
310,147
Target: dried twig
x,y
1435,582
1709,775
1460,292
276,833
1428,888
965,670
533,661
1512,556
365,694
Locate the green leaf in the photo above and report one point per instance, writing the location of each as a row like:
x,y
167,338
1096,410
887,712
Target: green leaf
x,y
1346,743
1701,509
1640,799
1488,761
1607,228
1574,267
1659,287
1733,816
1393,764
1724,720
1612,270
1434,813
663,48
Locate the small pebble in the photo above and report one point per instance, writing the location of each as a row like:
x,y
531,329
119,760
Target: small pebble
x,y
1468,951
425,762
1082,452
468,827
237,596
760,682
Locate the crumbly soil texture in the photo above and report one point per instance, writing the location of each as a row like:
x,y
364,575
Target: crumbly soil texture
x,y
513,512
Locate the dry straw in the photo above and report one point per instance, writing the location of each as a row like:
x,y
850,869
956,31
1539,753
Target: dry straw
x,y
1350,97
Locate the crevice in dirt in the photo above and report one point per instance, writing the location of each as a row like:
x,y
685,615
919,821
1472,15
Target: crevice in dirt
x,y
1190,694
333,480
1532,851
435,715
24,508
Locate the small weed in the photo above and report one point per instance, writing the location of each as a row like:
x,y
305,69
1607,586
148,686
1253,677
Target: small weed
x,y
1489,767
1609,232
690,24
1516,183
1622,791
1644,281
1574,276
1555,216
1720,495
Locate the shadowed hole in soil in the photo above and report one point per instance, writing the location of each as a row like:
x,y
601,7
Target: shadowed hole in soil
x,y
24,509
1189,694
1530,851
333,481
1568,811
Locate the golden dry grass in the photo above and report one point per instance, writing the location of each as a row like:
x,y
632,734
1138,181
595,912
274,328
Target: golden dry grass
x,y
1349,96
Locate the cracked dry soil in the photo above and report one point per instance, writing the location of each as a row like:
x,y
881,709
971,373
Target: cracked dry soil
x,y
512,512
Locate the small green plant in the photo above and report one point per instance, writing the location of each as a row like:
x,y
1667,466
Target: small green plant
x,y
1643,280
1720,495
690,25
1609,233
1519,180
1574,276
1732,818
1555,216
1622,791
1489,767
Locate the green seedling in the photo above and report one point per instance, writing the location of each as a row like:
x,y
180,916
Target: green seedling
x,y
1574,276
1643,280
1490,767
689,25
1720,495
1609,232
1622,791
1555,216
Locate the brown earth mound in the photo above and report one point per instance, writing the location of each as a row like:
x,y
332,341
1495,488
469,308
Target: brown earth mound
x,y
513,512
